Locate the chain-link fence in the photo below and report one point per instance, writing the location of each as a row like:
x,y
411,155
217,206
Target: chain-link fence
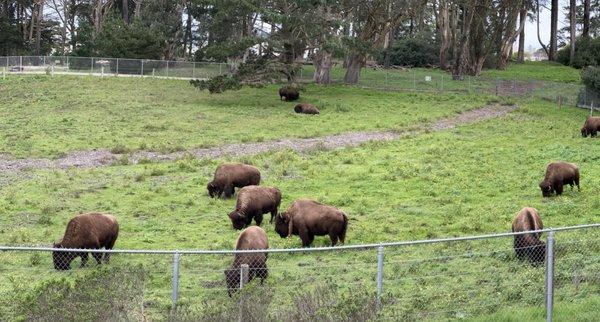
x,y
395,78
521,275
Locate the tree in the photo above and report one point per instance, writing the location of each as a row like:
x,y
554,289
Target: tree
x,y
522,21
586,19
553,30
371,21
572,23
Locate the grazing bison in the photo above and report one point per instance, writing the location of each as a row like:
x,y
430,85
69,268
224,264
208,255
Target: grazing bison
x,y
89,231
309,218
251,238
306,108
591,126
529,245
230,176
289,93
557,175
253,202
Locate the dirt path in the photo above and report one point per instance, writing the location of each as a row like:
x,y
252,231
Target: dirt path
x,y
103,157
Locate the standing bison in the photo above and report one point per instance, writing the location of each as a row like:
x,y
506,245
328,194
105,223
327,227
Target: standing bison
x,y
529,246
87,231
559,174
591,126
230,176
308,218
251,238
289,94
253,202
306,108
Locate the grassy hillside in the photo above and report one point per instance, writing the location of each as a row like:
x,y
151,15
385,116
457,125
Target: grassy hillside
x,y
467,181
48,117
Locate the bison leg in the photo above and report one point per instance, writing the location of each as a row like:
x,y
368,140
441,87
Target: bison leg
x,y
577,183
334,239
273,215
258,219
559,190
97,257
228,191
84,259
306,238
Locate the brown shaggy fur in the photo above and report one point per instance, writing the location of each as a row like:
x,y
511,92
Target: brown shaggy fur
x,y
529,245
89,231
253,202
559,174
591,126
288,94
229,176
251,238
306,108
308,218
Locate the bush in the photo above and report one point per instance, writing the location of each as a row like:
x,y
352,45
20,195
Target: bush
x,y
587,53
591,78
218,84
103,294
415,52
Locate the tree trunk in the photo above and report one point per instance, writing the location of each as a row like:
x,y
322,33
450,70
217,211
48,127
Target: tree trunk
x,y
537,6
444,31
509,37
553,30
521,54
586,19
125,4
322,63
353,66
38,31
461,62
572,22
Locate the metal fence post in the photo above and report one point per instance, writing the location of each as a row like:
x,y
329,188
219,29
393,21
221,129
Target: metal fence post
x,y
167,68
175,291
142,73
92,70
379,273
194,70
20,63
549,276
220,68
117,66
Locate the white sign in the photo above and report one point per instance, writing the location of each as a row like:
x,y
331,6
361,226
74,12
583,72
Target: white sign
x,y
428,78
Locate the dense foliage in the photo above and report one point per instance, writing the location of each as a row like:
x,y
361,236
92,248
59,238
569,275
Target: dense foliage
x,y
414,52
591,78
587,53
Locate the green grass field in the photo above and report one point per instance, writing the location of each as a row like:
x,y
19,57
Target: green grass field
x,y
466,181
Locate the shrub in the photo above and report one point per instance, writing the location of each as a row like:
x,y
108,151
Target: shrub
x,y
103,294
591,78
415,52
587,53
218,84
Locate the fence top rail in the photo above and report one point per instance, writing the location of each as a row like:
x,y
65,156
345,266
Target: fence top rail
x,y
297,250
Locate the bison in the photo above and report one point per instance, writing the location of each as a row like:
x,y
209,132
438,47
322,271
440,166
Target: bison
x,y
557,175
591,126
230,176
289,93
529,246
251,238
253,202
87,231
308,218
306,108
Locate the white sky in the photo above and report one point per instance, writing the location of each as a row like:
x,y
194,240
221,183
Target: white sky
x,y
531,41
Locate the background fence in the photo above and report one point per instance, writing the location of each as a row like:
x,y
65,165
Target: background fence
x,y
396,78
473,278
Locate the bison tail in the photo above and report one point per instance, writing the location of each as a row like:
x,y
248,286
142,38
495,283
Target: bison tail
x,y
344,229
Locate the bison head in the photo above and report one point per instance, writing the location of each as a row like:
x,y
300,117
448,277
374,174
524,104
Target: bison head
x,y
546,188
62,260
213,190
232,278
584,132
237,220
282,222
